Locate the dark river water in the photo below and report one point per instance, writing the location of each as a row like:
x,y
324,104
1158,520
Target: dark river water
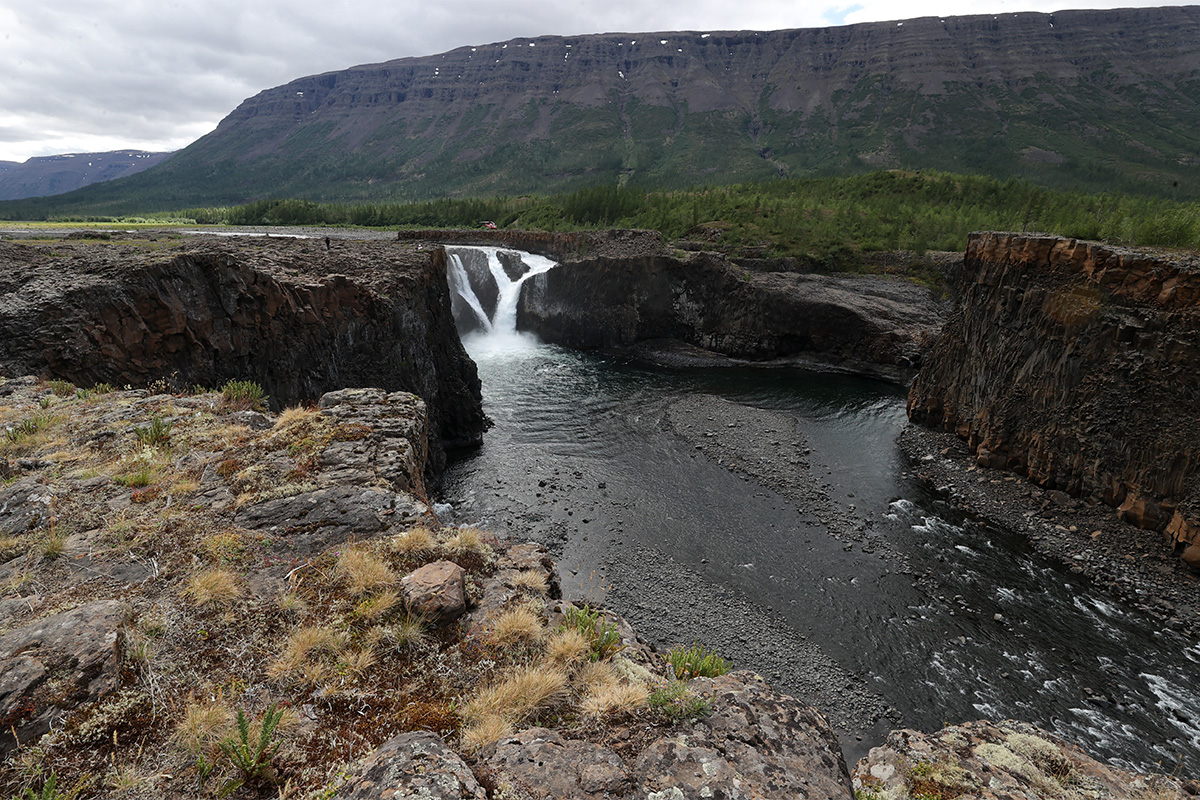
x,y
941,618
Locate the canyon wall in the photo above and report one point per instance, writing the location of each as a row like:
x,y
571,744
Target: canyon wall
x,y
868,324
298,319
1076,364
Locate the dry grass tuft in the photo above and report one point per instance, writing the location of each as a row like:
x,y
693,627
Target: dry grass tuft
x,y
363,572
467,540
373,609
567,648
205,722
305,645
11,547
533,580
614,698
292,605
213,588
485,732
356,662
519,625
410,632
294,417
519,696
413,542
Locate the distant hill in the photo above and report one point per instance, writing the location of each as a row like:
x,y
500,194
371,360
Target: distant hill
x,y
50,175
1083,99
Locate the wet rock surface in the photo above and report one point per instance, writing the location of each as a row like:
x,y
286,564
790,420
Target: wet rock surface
x,y
1090,538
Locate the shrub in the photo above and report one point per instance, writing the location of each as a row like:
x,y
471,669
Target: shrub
x,y
696,662
158,432
243,395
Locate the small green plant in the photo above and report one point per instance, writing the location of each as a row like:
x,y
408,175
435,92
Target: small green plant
x,y
243,395
50,790
139,478
674,701
696,662
61,388
602,636
96,391
158,432
28,427
251,756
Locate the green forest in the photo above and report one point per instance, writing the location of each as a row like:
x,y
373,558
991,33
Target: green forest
x,y
826,221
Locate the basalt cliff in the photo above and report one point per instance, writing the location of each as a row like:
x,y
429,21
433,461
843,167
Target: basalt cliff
x,y
627,290
287,313
1075,364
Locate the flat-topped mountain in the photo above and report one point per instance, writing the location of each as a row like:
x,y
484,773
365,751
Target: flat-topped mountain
x,y
50,175
1091,99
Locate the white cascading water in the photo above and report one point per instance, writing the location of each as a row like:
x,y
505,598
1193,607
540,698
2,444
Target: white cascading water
x,y
499,332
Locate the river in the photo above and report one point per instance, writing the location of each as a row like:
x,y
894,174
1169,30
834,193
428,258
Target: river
x,y
769,514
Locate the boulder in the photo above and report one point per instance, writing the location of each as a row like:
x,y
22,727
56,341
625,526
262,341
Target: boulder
x,y
54,665
412,765
546,765
437,591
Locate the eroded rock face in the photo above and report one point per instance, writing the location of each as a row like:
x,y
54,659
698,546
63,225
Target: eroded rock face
x,y
1076,364
703,299
53,665
1012,760
296,318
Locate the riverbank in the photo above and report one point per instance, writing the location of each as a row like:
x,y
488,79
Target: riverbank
x,y
1136,565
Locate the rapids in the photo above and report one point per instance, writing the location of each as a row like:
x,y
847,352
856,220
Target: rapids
x,y
768,513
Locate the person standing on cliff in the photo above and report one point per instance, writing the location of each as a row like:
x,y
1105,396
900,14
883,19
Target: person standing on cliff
x,y
326,242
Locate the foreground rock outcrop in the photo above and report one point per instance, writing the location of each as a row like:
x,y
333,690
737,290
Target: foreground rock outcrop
x,y
1011,760
170,562
1075,364
298,319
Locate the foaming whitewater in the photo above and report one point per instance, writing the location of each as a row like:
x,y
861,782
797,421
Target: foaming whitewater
x,y
495,333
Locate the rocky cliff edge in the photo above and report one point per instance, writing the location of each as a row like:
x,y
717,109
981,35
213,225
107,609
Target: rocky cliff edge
x,y
1075,363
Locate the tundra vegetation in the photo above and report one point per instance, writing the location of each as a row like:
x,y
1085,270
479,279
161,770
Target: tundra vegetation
x,y
830,223
248,669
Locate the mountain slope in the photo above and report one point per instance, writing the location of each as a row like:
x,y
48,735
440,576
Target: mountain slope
x,y
50,175
1091,99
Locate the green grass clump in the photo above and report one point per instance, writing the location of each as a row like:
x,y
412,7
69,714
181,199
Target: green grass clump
x,y
696,662
674,701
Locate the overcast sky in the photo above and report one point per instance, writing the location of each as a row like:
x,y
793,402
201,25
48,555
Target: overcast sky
x,y
97,75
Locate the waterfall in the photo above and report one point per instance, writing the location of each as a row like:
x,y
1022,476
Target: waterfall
x,y
485,285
